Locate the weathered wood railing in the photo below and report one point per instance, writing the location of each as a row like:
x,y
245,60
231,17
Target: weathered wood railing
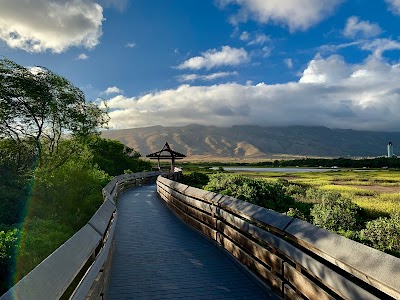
x,y
81,263
297,259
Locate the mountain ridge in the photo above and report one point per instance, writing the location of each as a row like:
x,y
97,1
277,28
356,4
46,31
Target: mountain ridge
x,y
252,141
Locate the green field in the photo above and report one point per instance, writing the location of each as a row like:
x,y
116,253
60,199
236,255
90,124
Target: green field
x,y
376,191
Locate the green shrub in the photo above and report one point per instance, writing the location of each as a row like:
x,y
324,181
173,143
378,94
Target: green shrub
x,y
8,245
40,239
271,195
70,193
383,233
8,241
295,213
335,212
315,195
196,179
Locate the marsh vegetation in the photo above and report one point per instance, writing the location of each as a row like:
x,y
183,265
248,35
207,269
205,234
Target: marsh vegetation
x,y
361,205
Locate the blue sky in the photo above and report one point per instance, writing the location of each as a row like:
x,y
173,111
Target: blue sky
x,y
331,63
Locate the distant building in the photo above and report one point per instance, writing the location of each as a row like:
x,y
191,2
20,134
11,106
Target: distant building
x,y
390,149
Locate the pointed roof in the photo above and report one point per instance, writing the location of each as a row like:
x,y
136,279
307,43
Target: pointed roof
x,y
166,148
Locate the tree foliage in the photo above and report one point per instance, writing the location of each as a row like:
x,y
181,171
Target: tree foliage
x,y
115,158
9,240
42,237
40,106
68,185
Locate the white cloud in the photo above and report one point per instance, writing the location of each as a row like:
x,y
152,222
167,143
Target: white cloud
x,y
289,63
82,56
330,92
357,28
379,46
213,58
394,6
334,48
329,70
113,90
130,45
40,25
208,77
295,14
259,39
266,51
245,36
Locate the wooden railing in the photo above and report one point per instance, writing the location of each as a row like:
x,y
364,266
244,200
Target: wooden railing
x,y
80,265
295,258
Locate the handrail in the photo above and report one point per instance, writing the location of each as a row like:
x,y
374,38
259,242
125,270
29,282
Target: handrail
x,y
87,251
296,258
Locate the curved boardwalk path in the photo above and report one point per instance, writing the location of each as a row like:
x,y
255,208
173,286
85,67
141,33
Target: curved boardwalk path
x,y
157,256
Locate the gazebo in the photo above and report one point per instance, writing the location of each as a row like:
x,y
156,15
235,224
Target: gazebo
x,y
172,155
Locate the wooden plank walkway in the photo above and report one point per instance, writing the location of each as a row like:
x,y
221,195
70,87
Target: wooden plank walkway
x,y
157,256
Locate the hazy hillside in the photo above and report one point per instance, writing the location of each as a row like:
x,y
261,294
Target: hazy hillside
x,y
257,142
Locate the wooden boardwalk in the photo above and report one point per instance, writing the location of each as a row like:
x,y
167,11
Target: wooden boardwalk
x,y
157,256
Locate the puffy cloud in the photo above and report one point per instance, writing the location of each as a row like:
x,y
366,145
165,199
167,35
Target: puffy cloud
x,y
213,58
357,28
82,56
113,90
330,92
40,25
296,14
328,70
208,77
394,6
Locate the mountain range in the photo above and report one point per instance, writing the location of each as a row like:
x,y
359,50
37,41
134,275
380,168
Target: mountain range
x,y
198,141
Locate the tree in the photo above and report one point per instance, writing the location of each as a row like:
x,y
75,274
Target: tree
x,y
114,157
39,106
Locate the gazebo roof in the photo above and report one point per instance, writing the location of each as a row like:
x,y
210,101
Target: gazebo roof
x,y
172,154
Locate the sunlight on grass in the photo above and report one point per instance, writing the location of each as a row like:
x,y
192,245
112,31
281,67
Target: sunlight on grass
x,y
375,200
348,190
311,182
380,204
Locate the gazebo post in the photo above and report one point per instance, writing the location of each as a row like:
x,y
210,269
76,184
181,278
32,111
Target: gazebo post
x,y
172,164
